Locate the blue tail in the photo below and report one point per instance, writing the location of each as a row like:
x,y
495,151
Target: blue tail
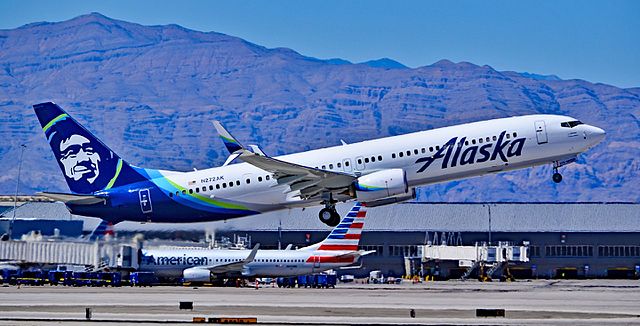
x,y
88,165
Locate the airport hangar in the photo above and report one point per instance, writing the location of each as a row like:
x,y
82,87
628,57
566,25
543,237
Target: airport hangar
x,y
570,240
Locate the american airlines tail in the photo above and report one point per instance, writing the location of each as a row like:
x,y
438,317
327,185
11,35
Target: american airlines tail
x,y
345,236
89,166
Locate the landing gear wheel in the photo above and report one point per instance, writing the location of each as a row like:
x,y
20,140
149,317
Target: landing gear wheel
x,y
329,216
557,177
325,215
335,219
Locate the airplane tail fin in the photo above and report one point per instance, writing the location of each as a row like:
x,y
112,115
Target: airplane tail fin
x,y
103,229
88,164
345,236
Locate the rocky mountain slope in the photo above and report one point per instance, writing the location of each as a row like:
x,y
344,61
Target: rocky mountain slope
x,y
149,92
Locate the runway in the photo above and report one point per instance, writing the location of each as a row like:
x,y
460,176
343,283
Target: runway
x,y
452,302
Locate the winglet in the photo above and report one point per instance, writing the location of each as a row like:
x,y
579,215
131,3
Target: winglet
x,y
252,255
229,141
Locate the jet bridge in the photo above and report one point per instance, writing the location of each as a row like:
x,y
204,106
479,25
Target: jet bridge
x,y
95,255
486,257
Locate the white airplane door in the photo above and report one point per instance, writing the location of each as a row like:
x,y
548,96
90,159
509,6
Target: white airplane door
x,y
541,132
316,261
360,163
346,165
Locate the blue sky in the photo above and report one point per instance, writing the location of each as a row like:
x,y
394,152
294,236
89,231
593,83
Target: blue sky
x,y
594,40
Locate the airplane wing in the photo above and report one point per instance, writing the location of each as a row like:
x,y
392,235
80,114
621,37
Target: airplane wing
x,y
73,198
308,181
234,266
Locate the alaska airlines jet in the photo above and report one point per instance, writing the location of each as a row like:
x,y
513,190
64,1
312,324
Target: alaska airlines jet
x,y
339,249
376,172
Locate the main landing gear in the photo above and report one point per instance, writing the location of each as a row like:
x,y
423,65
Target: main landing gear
x,y
329,216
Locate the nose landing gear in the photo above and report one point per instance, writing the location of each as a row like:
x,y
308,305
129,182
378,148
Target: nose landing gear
x,y
557,177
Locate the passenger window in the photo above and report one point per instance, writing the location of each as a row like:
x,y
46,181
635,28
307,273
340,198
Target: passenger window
x,y
259,179
480,140
197,189
408,153
366,160
495,138
346,163
430,149
393,155
237,182
373,158
466,143
424,150
267,177
248,181
324,167
190,191
210,187
508,136
230,184
330,166
171,195
224,185
339,165
415,151
184,192
359,161
437,148
488,139
400,154
473,141
379,157
218,186
515,135
177,193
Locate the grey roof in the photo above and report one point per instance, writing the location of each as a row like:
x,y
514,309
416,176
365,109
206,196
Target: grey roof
x,y
464,217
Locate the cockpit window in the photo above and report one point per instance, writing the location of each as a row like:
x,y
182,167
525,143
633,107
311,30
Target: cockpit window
x,y
571,124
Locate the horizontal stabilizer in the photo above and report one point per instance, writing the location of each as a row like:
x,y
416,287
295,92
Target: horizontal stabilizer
x,y
74,199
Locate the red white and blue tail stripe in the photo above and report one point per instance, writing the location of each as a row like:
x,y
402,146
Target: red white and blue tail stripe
x,y
346,236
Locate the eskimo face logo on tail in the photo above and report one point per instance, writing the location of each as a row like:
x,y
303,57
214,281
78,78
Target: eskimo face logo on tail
x,y
452,153
87,164
79,158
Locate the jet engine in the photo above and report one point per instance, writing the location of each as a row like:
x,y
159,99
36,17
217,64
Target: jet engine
x,y
195,274
380,185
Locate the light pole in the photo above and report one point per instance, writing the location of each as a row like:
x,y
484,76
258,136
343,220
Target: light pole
x,y
15,200
489,205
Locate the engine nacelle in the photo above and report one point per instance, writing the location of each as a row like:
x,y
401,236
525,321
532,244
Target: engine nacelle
x,y
195,274
381,184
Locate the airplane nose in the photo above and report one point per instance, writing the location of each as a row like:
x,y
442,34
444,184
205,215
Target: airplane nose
x,y
595,135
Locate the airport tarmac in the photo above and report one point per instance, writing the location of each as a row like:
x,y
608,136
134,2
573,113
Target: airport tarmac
x,y
535,302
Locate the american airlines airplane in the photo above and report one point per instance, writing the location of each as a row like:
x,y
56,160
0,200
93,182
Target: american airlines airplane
x,y
376,172
339,249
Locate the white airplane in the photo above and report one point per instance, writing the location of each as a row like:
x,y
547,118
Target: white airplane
x,y
339,249
376,172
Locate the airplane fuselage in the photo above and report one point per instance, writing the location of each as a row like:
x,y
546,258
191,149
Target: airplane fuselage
x,y
170,263
427,157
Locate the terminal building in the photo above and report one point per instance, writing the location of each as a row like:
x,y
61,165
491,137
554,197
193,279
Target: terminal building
x,y
563,240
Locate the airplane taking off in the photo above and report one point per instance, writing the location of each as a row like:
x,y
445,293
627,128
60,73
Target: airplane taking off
x,y
376,172
339,249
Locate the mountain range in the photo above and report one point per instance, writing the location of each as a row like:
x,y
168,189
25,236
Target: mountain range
x,y
150,92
